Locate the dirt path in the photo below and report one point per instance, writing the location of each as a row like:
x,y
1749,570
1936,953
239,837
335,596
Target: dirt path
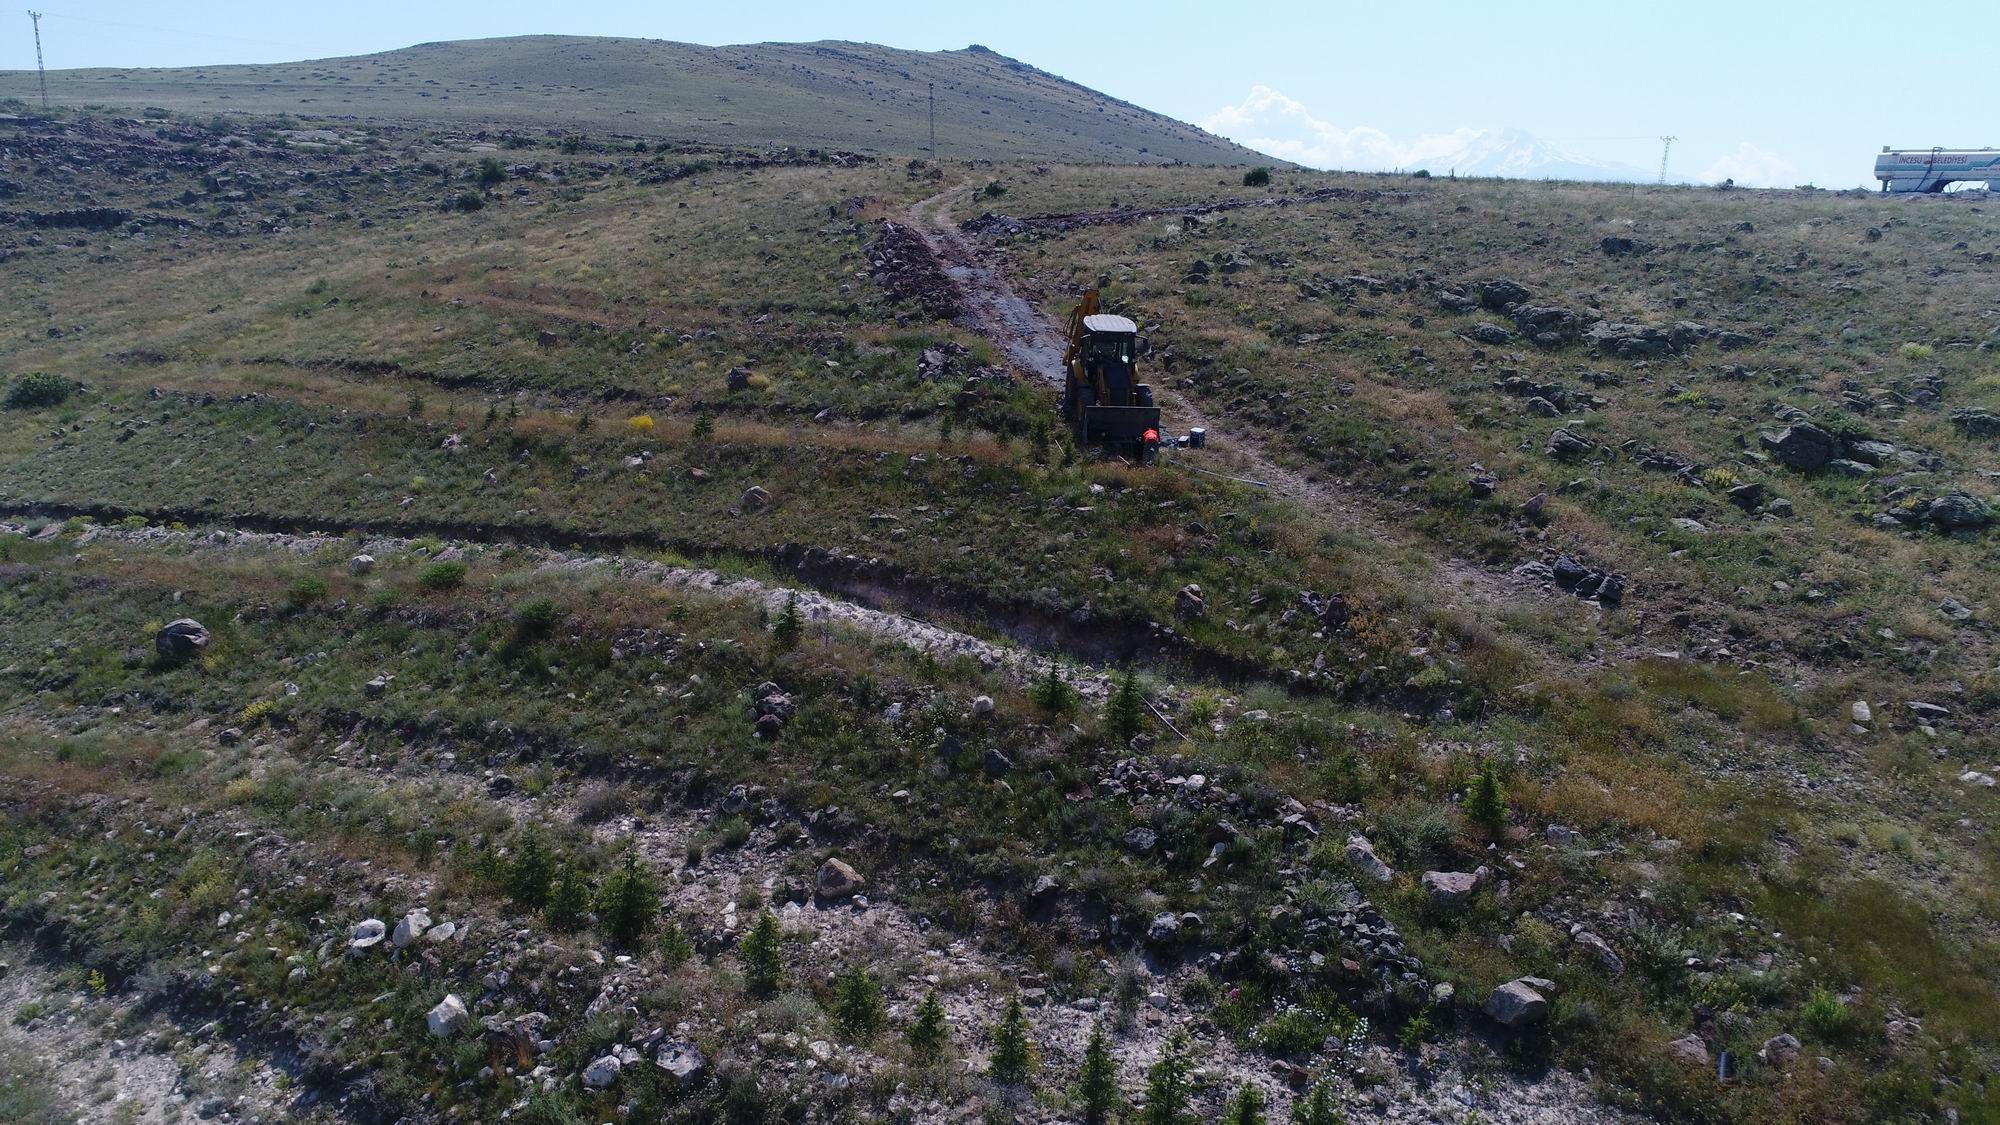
x,y
991,305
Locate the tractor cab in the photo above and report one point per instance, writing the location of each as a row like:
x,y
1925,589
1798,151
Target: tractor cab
x,y
1103,400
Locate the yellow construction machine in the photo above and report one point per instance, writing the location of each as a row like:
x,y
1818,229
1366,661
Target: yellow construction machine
x,y
1103,400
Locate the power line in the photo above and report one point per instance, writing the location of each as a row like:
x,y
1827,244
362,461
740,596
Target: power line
x,y
1666,146
41,73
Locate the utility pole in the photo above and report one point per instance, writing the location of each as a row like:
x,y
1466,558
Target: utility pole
x,y
1666,146
932,86
41,74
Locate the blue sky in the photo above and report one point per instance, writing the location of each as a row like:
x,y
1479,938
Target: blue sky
x,y
1773,93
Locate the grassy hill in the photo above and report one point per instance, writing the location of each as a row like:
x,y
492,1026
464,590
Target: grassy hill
x,y
565,516
855,96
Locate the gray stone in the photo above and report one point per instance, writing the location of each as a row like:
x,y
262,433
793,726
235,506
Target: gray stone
x,y
1502,292
1164,930
1516,1005
1449,891
1955,510
1691,1048
682,1060
367,934
982,705
1607,958
837,880
1780,1050
738,378
602,1072
361,564
1141,840
448,1018
997,763
411,927
1567,445
1490,333
1361,856
1801,445
179,640
1189,605
756,498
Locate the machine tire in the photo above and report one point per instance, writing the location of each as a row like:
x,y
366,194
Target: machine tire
x,y
1144,394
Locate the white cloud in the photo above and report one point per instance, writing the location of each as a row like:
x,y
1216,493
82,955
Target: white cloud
x,y
1751,166
1268,121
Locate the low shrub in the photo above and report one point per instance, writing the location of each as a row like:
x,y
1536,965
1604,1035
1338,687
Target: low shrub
x,y
442,576
39,390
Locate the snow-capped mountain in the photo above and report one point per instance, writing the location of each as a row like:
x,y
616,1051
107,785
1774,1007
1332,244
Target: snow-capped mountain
x,y
1515,154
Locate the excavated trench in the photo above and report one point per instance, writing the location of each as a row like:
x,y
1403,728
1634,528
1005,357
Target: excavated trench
x,y
870,583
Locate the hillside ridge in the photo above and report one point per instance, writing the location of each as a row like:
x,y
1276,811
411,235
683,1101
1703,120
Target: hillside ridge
x,y
825,94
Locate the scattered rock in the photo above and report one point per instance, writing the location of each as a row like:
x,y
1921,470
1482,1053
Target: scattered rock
x,y
1189,604
1141,840
602,1072
1607,958
680,1059
755,498
1958,510
1361,856
982,705
1516,1005
837,880
1449,891
738,378
448,1018
1691,1048
1567,445
181,640
411,927
1780,1050
1802,446
997,763
367,934
361,564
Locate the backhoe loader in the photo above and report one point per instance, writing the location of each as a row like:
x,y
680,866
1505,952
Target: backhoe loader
x,y
1103,400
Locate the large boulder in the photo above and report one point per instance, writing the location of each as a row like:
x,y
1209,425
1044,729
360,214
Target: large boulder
x,y
1600,949
1956,510
1361,856
602,1072
1802,446
1189,605
680,1059
1502,292
180,640
1567,445
756,498
837,880
1690,1047
1637,341
367,934
1976,422
1516,1005
448,1018
411,927
1449,891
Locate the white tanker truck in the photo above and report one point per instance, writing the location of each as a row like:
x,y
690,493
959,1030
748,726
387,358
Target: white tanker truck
x,y
1931,169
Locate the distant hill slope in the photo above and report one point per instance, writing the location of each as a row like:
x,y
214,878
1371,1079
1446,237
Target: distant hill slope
x,y
855,96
